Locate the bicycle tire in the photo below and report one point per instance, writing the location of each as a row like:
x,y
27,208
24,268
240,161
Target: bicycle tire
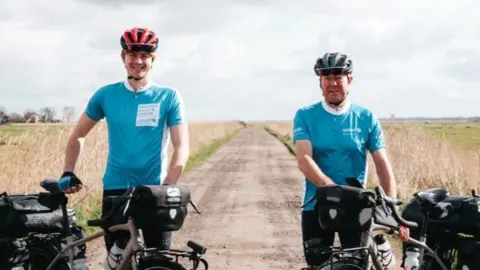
x,y
160,265
350,263
42,252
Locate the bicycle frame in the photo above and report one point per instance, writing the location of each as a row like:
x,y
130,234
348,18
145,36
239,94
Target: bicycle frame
x,y
367,247
131,248
133,245
420,244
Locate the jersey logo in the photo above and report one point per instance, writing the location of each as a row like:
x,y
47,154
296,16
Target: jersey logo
x,y
352,130
297,131
148,115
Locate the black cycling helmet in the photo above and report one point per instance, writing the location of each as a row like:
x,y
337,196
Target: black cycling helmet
x,y
139,39
333,63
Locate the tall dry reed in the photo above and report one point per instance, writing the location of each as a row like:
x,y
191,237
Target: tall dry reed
x,y
39,153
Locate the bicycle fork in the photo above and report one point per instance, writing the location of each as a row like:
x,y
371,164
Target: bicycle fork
x,y
423,236
371,253
68,233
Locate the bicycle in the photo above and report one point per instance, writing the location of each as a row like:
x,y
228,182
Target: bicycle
x,y
135,255
451,224
366,212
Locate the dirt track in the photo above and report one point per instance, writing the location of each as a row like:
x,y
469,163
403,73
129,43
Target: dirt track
x,y
249,194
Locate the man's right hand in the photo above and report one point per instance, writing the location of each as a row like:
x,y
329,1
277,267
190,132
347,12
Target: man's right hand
x,y
69,183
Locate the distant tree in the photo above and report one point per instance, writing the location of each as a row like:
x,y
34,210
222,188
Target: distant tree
x,y
3,111
68,113
16,118
29,115
47,114
3,115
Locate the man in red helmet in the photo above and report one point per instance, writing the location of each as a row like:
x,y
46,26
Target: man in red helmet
x,y
141,117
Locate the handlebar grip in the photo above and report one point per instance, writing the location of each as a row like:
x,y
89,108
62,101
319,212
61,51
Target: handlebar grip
x,y
95,223
196,247
391,203
399,219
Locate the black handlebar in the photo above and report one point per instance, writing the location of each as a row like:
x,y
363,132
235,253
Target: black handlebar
x,y
114,202
392,203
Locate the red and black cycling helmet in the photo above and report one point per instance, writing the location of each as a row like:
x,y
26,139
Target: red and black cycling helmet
x,y
139,39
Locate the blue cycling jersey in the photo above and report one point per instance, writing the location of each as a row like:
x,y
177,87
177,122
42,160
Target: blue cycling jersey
x,y
138,131
340,140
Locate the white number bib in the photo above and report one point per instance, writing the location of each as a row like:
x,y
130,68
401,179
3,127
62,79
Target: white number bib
x,y
148,114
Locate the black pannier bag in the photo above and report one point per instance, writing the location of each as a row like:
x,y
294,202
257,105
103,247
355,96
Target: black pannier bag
x,y
163,207
344,208
22,214
456,214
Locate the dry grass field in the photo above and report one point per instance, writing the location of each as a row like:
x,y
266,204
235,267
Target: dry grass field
x,y
426,155
30,153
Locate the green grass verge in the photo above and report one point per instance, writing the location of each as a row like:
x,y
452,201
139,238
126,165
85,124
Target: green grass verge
x,y
285,139
91,208
208,150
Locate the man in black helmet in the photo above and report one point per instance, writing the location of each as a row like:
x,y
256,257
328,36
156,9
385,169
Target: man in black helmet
x,y
332,138
141,117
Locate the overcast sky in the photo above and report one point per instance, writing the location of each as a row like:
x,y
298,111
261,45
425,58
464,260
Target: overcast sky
x,y
250,59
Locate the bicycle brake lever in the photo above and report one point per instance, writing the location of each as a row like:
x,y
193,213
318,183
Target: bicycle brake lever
x,y
384,206
129,199
194,207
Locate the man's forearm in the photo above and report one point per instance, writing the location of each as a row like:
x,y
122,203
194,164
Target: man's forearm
x,y
177,166
74,146
387,178
310,169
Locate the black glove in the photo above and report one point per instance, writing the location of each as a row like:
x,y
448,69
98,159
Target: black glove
x,y
69,183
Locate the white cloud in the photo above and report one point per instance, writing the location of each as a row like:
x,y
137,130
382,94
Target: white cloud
x,y
411,58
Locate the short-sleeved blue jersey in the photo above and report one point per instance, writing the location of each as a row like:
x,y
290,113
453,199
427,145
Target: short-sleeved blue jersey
x,y
138,131
340,141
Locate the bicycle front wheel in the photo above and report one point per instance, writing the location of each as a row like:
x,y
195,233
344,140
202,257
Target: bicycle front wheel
x,y
160,265
341,264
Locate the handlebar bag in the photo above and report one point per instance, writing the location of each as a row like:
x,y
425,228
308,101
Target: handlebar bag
x,y
163,207
343,208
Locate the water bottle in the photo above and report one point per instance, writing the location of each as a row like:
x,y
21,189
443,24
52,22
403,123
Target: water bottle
x,y
113,257
385,254
412,261
79,264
